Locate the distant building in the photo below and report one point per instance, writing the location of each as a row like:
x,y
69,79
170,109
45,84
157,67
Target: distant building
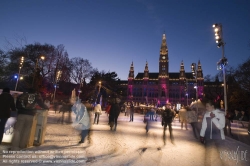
x,y
159,88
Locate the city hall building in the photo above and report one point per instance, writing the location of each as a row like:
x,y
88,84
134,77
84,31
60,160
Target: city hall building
x,y
159,88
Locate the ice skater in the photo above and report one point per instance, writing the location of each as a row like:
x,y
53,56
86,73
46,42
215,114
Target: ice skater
x,y
82,120
167,118
114,113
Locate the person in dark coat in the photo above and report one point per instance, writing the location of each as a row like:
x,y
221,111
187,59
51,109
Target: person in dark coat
x,y
147,119
114,113
228,119
167,118
243,116
131,111
237,115
7,105
27,105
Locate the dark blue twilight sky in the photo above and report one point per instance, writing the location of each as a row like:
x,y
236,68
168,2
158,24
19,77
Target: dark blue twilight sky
x,y
113,33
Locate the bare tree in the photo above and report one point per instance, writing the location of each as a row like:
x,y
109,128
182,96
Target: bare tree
x,y
3,58
3,63
81,70
17,42
208,78
65,67
242,75
63,63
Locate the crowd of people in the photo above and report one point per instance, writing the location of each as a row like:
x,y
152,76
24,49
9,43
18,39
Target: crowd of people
x,y
186,115
211,132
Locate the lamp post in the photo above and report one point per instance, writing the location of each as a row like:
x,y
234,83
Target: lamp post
x,y
186,88
58,76
196,87
20,67
37,60
187,98
194,72
221,65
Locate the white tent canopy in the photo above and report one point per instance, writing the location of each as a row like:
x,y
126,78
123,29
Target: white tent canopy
x,y
13,92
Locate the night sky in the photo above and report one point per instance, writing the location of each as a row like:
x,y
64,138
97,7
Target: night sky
x,y
113,33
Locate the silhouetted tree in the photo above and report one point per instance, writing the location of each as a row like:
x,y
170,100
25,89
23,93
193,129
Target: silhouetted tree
x,y
239,86
208,78
81,69
242,75
3,64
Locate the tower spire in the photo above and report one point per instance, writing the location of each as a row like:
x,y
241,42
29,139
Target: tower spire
x,y
182,70
146,70
199,70
146,66
164,47
131,71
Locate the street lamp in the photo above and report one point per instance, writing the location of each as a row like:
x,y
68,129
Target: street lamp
x,y
42,57
37,60
100,84
58,76
186,88
20,67
194,72
221,65
196,87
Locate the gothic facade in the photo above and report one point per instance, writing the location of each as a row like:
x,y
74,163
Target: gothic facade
x,y
159,88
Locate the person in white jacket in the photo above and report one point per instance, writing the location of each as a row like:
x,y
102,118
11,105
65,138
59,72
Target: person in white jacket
x,y
98,112
213,124
212,134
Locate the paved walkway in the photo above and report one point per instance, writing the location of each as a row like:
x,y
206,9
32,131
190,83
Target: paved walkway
x,y
239,131
129,145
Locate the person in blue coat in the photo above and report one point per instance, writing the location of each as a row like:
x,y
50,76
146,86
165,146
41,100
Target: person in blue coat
x,y
82,120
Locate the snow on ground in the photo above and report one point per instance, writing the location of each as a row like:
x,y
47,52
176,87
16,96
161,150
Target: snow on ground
x,y
129,145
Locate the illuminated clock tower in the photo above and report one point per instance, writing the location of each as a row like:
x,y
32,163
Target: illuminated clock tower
x,y
163,61
163,88
130,82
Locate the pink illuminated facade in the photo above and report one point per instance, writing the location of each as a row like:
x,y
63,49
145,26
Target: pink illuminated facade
x,y
159,88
